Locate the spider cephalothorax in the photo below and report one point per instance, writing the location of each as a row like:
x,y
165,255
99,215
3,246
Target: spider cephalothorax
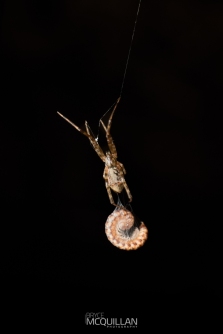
x,y
114,170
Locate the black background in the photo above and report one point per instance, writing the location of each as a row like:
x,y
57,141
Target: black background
x,y
70,56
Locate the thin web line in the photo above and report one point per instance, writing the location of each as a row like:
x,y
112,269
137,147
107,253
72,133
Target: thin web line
x,y
130,48
99,124
126,65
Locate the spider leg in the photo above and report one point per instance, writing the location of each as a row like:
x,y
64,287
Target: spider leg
x,y
122,167
75,126
110,141
94,143
109,193
110,118
127,191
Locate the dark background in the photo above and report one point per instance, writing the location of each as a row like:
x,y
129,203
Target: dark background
x,y
70,56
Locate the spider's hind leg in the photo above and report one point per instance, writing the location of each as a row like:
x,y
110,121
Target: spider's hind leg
x,y
109,194
127,191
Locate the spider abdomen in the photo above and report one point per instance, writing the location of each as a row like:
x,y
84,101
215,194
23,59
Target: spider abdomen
x,y
115,179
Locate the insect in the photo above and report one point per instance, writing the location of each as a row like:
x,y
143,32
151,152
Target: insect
x,y
114,170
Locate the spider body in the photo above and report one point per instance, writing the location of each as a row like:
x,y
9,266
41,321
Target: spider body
x,y
114,170
114,177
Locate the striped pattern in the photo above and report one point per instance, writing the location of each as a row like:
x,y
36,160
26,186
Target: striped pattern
x,y
117,226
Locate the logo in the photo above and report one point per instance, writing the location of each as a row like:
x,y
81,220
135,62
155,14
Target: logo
x,y
98,319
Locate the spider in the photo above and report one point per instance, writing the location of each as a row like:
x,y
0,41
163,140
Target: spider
x,y
114,170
